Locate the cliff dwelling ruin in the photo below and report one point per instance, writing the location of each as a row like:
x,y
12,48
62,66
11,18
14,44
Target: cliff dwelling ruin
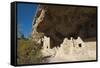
x,y
66,33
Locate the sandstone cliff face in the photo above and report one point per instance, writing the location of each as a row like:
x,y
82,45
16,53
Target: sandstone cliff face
x,y
58,22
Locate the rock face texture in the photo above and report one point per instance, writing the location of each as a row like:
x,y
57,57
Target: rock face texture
x,y
59,22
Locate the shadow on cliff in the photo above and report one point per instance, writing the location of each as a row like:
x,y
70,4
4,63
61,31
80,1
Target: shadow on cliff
x,y
75,22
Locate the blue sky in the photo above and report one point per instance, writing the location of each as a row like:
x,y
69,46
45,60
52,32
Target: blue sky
x,y
25,15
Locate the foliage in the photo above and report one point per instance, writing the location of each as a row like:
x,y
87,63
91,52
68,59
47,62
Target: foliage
x,y
28,52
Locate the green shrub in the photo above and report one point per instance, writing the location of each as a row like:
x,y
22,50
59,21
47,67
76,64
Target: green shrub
x,y
28,52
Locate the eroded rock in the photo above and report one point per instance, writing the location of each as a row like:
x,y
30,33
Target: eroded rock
x,y
62,32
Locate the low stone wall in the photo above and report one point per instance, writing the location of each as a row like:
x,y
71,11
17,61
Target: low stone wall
x,y
69,50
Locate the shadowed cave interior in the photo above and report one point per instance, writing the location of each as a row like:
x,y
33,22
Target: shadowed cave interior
x,y
58,22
